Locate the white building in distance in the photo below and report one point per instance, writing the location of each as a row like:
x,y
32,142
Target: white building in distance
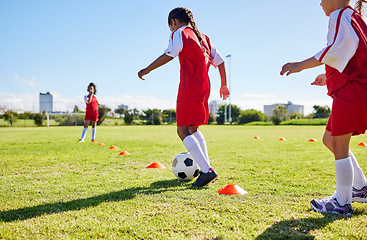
x,y
46,102
291,108
214,107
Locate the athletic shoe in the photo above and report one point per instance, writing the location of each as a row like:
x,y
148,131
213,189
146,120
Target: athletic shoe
x,y
94,141
81,141
359,195
331,205
205,178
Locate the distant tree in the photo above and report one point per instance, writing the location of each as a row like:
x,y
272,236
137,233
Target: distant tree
x,y
11,117
102,112
119,111
251,115
129,117
38,119
153,116
25,115
235,112
211,118
321,111
169,115
295,115
76,109
280,114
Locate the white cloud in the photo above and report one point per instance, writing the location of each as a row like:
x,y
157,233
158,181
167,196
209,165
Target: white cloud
x,y
26,82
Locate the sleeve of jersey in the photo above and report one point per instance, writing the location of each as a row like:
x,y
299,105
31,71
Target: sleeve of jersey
x,y
217,58
175,44
86,99
342,44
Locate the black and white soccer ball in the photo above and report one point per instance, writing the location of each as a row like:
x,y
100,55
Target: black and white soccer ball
x,y
184,167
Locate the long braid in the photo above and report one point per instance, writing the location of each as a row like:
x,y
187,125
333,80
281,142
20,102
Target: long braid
x,y
185,15
359,6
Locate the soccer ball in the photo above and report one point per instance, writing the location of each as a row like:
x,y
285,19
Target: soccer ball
x,y
184,167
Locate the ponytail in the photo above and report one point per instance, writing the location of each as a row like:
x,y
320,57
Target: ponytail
x,y
359,6
185,15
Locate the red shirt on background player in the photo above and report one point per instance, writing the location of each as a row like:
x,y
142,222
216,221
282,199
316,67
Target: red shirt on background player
x,y
91,114
196,54
345,59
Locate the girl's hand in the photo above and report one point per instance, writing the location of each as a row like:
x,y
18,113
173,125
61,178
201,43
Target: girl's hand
x,y
320,80
224,92
142,72
290,68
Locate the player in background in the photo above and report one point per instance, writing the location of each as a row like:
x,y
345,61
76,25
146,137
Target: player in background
x,y
345,59
196,54
91,114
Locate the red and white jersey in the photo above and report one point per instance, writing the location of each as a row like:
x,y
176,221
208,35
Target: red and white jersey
x,y
194,79
345,56
93,105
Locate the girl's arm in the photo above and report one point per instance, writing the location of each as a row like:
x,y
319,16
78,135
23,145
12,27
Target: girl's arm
x,y
90,98
161,60
294,67
224,92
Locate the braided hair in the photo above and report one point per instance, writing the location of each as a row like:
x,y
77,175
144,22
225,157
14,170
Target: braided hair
x,y
185,15
359,6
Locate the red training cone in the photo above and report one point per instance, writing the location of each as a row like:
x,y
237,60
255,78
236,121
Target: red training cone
x,y
101,143
257,137
362,144
156,165
124,153
282,139
232,189
114,147
312,140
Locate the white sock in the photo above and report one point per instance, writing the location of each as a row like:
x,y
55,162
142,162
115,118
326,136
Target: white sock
x,y
192,145
83,134
344,180
359,179
94,131
200,137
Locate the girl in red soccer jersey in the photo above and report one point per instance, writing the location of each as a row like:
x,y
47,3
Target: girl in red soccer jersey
x,y
91,114
195,53
345,59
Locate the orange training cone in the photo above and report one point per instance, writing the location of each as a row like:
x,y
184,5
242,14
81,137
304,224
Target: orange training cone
x,y
257,137
101,143
312,140
362,144
114,147
156,165
232,189
124,153
282,139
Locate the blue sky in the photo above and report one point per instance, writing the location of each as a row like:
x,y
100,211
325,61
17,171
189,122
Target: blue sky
x,y
61,46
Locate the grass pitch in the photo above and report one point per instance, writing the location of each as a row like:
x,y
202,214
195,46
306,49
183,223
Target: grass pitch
x,y
52,187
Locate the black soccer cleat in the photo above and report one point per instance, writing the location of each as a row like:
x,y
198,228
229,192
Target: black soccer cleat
x,y
205,178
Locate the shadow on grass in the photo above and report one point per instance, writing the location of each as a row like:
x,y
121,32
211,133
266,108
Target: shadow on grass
x,y
301,228
78,204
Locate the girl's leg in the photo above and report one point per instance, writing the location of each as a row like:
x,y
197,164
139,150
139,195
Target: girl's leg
x,y
359,179
86,123
343,168
94,130
200,137
193,146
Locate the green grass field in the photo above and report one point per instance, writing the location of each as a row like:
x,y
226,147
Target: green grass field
x,y
52,187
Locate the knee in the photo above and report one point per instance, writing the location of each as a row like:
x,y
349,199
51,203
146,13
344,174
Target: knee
x,y
327,142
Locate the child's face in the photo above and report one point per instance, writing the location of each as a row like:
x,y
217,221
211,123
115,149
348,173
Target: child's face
x,y
91,89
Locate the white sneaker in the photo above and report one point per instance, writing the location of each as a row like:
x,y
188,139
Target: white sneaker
x,y
81,140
